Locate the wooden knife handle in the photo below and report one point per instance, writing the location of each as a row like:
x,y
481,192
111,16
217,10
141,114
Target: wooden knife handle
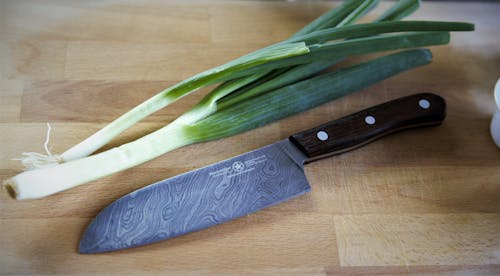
x,y
350,132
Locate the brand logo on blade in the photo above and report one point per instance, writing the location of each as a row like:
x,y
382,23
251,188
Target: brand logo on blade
x,y
239,167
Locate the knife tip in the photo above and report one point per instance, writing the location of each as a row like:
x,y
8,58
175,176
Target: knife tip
x,y
83,247
91,242
83,251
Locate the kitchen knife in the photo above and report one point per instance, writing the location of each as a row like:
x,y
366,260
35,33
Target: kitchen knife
x,y
249,182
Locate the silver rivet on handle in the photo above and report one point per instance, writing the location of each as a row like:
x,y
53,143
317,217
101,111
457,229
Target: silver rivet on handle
x,y
370,120
322,135
423,103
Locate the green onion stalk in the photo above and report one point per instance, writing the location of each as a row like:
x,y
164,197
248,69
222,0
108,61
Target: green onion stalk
x,y
261,87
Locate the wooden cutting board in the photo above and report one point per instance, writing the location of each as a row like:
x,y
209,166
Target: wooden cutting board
x,y
424,201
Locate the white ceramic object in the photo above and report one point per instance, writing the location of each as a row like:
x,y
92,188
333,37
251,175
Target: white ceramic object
x,y
495,122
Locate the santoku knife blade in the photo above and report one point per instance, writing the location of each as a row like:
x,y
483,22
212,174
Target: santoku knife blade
x,y
248,182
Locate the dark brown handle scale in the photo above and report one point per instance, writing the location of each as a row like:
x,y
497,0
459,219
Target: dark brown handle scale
x,y
350,132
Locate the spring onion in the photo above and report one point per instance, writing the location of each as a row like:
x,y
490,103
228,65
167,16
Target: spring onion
x,y
263,86
171,94
237,118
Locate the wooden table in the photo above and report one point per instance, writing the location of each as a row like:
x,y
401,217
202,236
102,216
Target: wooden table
x,y
424,201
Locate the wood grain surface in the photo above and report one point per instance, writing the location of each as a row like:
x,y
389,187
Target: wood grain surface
x,y
425,201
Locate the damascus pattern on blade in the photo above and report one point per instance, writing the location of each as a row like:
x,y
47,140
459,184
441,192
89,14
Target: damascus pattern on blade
x,y
199,199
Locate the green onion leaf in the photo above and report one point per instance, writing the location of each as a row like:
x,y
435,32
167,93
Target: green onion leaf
x,y
331,18
359,12
358,46
368,29
400,10
303,95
